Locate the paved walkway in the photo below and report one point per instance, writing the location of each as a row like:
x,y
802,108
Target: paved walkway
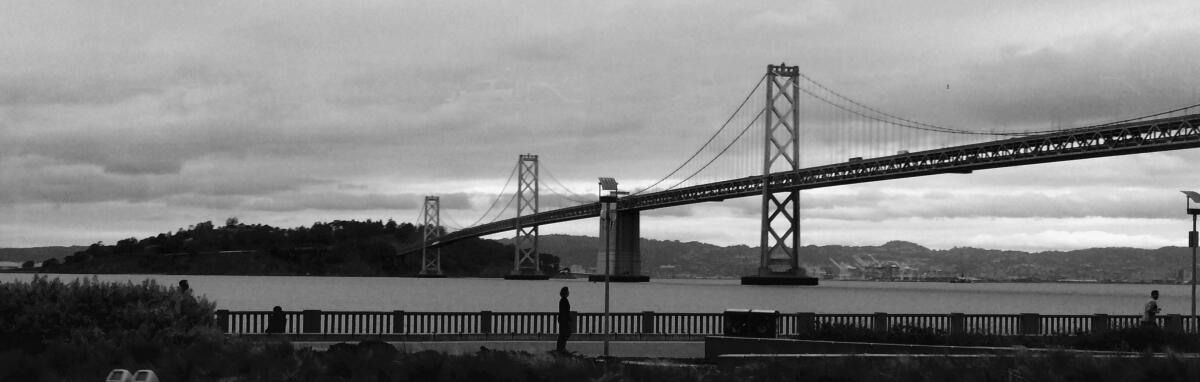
x,y
630,349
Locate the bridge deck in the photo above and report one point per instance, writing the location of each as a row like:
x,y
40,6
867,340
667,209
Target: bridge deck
x,y
1162,134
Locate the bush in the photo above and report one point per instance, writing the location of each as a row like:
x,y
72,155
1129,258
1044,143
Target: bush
x,y
55,330
87,309
1139,339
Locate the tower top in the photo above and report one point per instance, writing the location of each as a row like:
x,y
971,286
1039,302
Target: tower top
x,y
783,70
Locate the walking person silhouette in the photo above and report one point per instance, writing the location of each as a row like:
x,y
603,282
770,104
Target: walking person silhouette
x,y
1151,310
565,324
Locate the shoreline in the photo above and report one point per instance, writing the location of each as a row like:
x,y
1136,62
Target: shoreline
x,y
1080,282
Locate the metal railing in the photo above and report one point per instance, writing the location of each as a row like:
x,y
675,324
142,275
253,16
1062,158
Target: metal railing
x,y
787,324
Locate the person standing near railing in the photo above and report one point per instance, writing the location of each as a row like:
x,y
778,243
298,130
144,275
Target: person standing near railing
x,y
565,324
1151,310
276,322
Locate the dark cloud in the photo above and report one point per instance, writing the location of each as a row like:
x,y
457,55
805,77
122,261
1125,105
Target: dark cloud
x,y
315,109
31,179
1106,78
45,89
67,185
335,201
542,49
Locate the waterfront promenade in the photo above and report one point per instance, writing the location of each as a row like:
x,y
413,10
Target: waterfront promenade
x,y
659,326
592,348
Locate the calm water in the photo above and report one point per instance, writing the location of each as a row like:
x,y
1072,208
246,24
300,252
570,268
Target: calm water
x,y
411,294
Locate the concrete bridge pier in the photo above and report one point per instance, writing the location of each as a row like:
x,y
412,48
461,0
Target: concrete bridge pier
x,y
626,260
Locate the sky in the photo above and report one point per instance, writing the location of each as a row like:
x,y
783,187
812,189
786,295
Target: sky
x,y
129,118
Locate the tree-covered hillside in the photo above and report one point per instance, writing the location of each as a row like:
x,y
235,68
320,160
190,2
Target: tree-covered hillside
x,y
667,258
341,247
37,254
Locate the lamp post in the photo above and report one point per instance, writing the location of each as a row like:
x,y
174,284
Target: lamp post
x,y
608,212
1193,240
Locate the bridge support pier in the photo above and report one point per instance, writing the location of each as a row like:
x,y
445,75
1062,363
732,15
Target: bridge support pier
x,y
779,262
626,260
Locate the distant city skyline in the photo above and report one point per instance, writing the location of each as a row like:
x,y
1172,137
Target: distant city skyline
x,y
126,120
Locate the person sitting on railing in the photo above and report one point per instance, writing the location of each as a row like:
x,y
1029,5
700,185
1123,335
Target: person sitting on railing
x,y
277,321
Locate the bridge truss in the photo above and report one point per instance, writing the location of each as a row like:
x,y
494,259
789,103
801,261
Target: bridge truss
x,y
1162,134
431,258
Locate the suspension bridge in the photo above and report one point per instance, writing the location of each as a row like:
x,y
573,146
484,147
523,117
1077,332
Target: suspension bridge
x,y
790,133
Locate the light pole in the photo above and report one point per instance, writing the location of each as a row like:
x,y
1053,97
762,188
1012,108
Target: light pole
x,y
1193,241
608,208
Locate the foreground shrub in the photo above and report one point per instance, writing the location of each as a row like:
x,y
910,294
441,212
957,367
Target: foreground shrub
x,y
1131,339
212,359
368,361
51,330
87,309
1053,367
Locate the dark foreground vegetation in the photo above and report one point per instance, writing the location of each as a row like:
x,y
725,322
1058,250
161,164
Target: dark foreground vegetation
x,y
338,248
1141,339
78,331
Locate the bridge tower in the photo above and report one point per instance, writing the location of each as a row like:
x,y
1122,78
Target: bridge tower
x,y
780,241
526,259
431,263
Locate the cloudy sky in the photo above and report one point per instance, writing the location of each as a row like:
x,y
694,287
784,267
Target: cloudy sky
x,y
129,118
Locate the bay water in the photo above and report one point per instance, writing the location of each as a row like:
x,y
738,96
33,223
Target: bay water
x,y
659,295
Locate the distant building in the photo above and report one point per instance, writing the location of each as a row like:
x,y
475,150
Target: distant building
x,y
578,269
10,265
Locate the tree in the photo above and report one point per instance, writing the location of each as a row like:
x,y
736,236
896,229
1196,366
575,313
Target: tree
x,y
232,221
126,245
51,262
27,264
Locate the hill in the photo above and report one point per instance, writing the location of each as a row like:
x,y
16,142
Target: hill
x,y
342,248
37,254
353,248
669,258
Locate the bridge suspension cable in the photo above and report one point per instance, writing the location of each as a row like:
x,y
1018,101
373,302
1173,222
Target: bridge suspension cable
x,y
499,195
904,122
501,211
1159,114
710,139
454,224
416,221
723,150
844,128
574,197
882,116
